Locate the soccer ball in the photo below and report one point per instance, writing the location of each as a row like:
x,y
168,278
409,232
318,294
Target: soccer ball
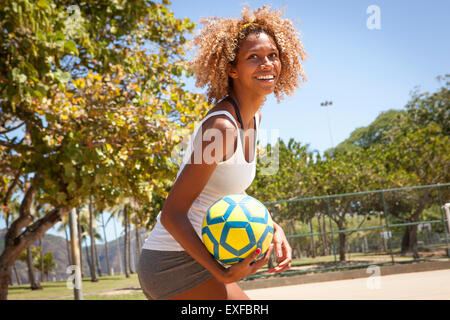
x,y
234,226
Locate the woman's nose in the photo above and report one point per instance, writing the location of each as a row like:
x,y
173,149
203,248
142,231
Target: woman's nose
x,y
266,63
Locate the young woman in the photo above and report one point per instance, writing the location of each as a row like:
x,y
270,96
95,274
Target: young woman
x,y
241,61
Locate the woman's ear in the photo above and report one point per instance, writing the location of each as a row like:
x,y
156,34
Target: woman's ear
x,y
232,72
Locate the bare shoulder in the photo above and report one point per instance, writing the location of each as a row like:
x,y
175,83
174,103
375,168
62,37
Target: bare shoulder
x,y
220,122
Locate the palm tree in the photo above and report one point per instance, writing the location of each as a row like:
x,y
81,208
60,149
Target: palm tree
x,y
91,235
115,212
136,219
28,256
88,228
78,214
108,267
126,248
84,239
62,228
47,263
138,222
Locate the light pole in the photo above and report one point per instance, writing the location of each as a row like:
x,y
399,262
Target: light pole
x,y
326,104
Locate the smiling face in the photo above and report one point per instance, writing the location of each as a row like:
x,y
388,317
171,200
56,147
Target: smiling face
x,y
257,67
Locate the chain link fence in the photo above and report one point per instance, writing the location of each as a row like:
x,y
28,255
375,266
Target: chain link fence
x,y
355,230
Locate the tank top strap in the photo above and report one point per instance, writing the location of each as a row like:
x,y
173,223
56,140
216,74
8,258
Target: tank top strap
x,y
236,109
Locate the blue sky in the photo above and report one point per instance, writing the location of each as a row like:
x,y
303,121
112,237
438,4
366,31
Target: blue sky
x,y
364,72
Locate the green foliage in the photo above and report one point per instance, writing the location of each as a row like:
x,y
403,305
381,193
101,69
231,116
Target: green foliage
x,y
425,109
375,133
92,101
98,88
291,179
401,148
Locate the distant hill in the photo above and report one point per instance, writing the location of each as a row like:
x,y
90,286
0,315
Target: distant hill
x,y
58,246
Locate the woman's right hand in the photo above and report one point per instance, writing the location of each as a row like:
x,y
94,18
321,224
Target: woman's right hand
x,y
246,267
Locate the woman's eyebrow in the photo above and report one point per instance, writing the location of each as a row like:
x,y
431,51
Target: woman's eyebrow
x,y
257,50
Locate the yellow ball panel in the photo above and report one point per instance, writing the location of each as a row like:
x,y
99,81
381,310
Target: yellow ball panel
x,y
237,215
256,209
267,242
225,254
237,197
258,229
245,255
237,238
208,243
218,209
216,230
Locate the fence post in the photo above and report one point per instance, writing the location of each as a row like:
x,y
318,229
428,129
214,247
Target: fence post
x,y
441,205
332,232
386,221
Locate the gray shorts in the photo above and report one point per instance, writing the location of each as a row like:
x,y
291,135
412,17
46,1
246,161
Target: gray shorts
x,y
164,274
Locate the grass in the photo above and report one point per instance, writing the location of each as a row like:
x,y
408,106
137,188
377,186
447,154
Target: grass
x,y
91,290
119,287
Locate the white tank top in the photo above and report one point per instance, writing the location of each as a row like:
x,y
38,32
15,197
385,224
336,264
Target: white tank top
x,y
233,175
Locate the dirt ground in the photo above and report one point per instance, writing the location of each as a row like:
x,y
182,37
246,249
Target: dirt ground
x,y
429,285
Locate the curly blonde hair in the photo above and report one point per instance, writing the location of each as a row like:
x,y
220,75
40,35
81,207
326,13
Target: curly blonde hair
x,y
218,44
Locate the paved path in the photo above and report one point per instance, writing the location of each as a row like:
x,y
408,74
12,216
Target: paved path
x,y
406,286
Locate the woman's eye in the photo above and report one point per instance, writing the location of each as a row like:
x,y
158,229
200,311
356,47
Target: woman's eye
x,y
253,56
273,55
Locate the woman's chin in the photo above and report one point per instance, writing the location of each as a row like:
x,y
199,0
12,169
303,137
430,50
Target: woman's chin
x,y
267,91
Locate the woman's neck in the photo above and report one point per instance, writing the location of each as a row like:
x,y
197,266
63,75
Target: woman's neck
x,y
248,105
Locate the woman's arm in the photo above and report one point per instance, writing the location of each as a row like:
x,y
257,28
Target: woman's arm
x,y
186,189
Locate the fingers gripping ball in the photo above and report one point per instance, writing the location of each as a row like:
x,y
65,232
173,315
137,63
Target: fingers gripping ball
x,y
235,226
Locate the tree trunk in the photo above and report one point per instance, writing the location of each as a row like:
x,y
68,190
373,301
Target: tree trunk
x,y
138,243
313,245
108,267
125,254
91,235
17,275
413,241
88,258
119,254
409,241
41,252
76,255
130,248
34,283
405,242
322,229
97,261
67,246
342,247
80,240
16,242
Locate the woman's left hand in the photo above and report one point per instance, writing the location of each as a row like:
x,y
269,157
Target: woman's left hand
x,y
282,249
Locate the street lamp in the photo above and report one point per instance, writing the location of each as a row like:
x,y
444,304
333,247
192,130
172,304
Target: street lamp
x,y
325,104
